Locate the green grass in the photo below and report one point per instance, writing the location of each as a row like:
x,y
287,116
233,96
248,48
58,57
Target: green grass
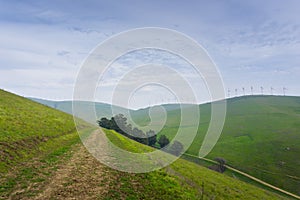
x,y
261,137
28,128
180,180
33,137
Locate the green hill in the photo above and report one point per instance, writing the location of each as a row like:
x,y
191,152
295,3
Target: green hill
x,y
261,136
38,144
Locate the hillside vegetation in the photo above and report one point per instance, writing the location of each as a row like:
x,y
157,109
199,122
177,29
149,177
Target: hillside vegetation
x,y
42,158
261,136
187,180
29,132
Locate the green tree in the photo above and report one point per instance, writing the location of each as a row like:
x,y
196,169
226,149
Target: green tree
x,y
105,123
151,138
176,148
163,141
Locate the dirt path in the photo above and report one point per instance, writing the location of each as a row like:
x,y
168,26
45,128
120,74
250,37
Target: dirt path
x,y
82,177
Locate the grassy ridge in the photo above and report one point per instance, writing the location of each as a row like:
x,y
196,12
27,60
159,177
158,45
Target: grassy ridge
x,y
260,137
25,128
33,139
186,180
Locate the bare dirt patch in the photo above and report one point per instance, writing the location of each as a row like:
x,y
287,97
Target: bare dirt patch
x,y
83,177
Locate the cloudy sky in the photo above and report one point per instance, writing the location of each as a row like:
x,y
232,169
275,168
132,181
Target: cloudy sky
x,y
44,43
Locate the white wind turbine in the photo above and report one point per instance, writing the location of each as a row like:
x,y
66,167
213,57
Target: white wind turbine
x,y
272,89
284,89
262,90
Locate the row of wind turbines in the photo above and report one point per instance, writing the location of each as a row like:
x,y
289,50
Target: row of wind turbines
x,y
262,91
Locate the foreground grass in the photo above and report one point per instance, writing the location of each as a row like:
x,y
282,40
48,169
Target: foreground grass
x,y
33,138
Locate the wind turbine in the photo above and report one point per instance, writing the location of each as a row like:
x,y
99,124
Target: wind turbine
x,y
272,89
243,91
228,93
262,90
251,90
284,89
236,91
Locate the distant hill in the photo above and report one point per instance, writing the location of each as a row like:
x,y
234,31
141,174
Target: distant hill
x,y
261,136
102,109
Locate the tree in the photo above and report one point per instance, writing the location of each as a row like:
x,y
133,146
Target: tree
x,y
105,123
119,123
139,136
163,141
176,148
151,138
222,163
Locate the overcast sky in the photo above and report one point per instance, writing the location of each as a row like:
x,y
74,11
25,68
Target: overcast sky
x,y
253,43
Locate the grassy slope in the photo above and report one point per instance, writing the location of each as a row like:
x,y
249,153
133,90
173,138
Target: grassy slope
x,y
260,137
34,138
186,180
31,132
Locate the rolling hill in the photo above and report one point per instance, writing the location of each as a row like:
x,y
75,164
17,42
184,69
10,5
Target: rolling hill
x,y
42,158
261,136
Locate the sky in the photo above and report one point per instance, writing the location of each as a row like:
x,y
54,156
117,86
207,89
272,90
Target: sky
x,y
43,44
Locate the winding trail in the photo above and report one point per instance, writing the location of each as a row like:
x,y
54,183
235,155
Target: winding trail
x,y
249,176
80,177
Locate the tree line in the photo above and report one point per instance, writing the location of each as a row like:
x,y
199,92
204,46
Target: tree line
x,y
120,125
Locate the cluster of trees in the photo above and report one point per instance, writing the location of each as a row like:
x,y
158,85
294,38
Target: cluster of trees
x,y
120,125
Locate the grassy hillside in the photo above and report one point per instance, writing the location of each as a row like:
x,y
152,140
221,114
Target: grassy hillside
x,y
261,136
30,131
37,143
186,180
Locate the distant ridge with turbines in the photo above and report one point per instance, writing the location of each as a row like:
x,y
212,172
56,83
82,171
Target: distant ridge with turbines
x,y
259,91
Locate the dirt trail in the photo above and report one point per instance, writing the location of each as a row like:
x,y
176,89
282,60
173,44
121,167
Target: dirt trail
x,y
251,177
82,177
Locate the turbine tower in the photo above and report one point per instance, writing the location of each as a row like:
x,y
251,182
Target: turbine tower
x,y
251,90
284,90
228,93
236,92
262,90
272,89
243,91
